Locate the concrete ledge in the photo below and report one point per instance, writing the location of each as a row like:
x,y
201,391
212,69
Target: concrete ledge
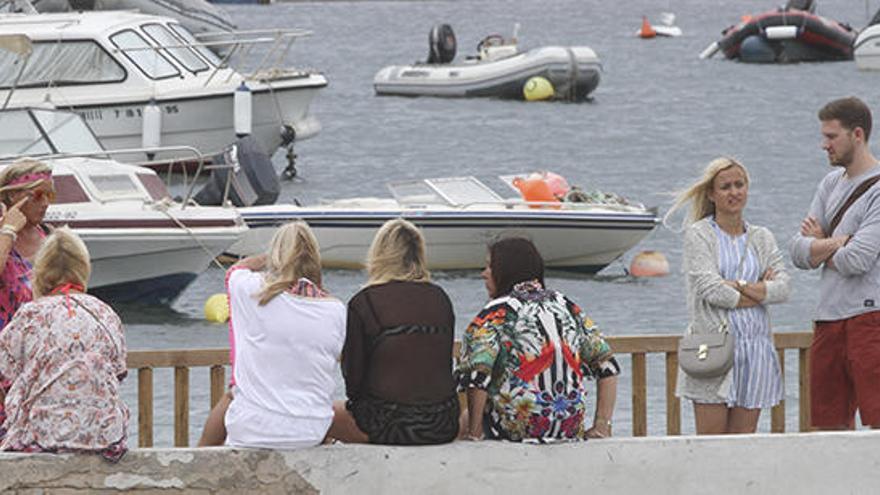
x,y
793,463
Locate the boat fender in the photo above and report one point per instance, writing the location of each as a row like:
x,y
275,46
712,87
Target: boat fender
x,y
781,32
254,182
441,44
649,264
709,51
151,125
538,88
217,308
242,110
558,185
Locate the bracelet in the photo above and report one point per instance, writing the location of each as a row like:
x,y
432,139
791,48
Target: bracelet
x,y
9,230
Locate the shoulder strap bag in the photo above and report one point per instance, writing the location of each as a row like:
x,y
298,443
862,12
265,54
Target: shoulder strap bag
x,y
856,194
710,354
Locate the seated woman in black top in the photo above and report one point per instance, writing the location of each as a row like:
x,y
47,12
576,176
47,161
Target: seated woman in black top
x,y
397,357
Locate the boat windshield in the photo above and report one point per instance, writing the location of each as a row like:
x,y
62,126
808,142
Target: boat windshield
x,y
42,132
453,191
85,62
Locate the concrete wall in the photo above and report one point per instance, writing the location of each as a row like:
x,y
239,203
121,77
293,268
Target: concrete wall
x,y
795,463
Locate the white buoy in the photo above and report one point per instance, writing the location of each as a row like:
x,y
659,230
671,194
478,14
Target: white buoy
x,y
649,264
242,110
151,130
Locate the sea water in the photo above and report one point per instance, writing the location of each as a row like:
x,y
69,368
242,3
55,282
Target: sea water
x,y
657,118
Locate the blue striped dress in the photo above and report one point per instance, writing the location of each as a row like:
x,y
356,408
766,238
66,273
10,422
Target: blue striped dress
x,y
757,380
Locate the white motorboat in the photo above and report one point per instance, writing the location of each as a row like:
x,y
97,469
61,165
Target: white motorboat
x,y
499,70
459,216
115,67
144,247
866,48
198,16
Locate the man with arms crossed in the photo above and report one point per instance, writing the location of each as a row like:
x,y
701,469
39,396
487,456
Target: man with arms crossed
x,y
845,352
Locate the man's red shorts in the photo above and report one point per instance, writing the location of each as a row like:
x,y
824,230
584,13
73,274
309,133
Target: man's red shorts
x,y
845,371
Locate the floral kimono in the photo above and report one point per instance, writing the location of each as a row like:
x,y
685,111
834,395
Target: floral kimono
x,y
532,351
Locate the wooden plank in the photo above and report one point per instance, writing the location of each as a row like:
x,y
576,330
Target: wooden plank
x,y
218,384
145,407
643,343
804,389
673,403
777,415
172,358
181,406
792,340
639,395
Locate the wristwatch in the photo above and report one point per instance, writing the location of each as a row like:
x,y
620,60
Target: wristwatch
x,y
741,284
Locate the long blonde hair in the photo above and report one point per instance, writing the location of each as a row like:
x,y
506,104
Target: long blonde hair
x,y
63,258
397,253
697,194
293,254
21,168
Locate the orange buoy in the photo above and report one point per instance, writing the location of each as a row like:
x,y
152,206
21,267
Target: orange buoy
x,y
649,264
647,31
534,189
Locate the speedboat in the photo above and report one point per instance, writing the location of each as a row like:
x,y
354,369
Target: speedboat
x,y
793,33
459,216
498,70
145,81
666,28
866,49
197,16
144,246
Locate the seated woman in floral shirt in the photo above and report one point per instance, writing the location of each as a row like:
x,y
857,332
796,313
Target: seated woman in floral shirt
x,y
64,357
528,354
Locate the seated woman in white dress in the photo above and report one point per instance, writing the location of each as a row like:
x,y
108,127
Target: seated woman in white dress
x,y
287,339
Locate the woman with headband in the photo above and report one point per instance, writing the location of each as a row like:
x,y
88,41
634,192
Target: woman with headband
x,y
26,190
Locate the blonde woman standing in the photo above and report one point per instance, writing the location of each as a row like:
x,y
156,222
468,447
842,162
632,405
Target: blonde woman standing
x,y
287,334
397,360
64,357
733,270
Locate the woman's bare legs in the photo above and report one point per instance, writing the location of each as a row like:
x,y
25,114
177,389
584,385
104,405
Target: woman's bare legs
x,y
711,419
214,433
344,428
742,420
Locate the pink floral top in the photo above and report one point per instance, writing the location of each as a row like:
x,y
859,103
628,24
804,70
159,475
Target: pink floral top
x,y
64,371
15,286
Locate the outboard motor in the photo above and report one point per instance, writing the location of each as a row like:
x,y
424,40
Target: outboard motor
x,y
254,180
441,41
805,5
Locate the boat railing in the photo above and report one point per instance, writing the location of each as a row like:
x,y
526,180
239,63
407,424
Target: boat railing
x,y
642,351
239,45
551,205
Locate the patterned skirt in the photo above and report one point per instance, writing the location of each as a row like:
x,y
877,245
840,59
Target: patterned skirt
x,y
390,423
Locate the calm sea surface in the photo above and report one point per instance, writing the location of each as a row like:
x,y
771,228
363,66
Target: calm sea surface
x,y
658,116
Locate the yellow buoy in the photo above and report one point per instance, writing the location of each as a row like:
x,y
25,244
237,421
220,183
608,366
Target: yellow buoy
x,y
649,264
538,88
217,308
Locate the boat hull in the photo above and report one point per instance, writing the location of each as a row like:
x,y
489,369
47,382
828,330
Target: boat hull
x,y
787,37
573,71
577,242
867,48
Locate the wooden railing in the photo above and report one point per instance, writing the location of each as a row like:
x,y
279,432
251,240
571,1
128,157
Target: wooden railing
x,y
637,346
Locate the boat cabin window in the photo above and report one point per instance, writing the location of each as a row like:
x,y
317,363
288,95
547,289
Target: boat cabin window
x,y
163,37
115,186
67,132
188,37
154,185
146,57
85,62
68,190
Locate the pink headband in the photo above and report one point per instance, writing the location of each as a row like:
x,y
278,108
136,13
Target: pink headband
x,y
30,178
